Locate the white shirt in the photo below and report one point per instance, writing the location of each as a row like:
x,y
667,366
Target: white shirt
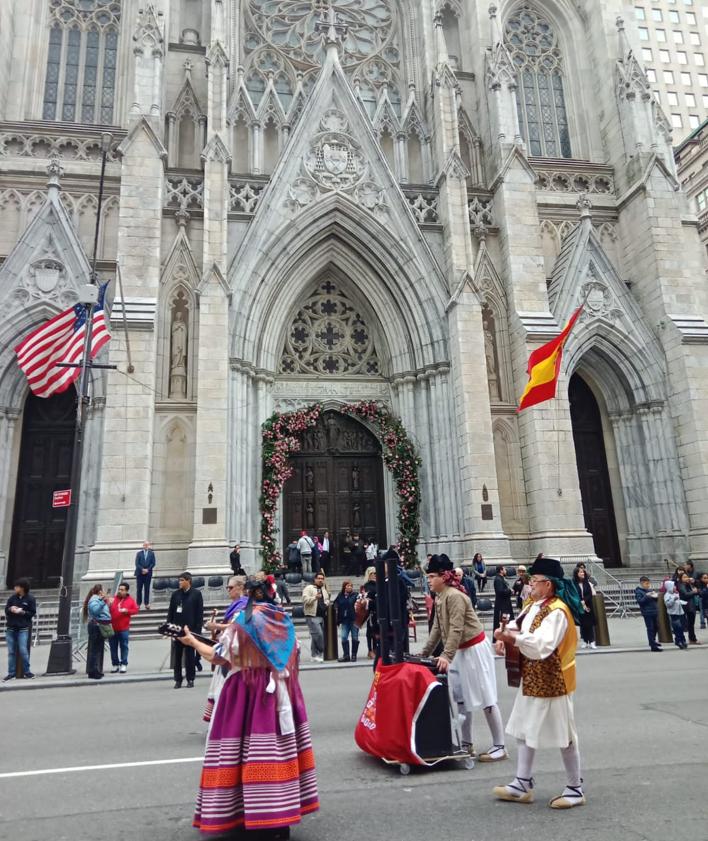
x,y
305,545
325,544
546,638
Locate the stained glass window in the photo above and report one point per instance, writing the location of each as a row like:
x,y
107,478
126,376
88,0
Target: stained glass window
x,y
81,62
540,96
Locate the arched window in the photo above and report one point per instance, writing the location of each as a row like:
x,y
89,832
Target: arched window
x,y
81,61
540,97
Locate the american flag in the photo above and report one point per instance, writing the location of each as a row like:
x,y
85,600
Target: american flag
x,y
61,340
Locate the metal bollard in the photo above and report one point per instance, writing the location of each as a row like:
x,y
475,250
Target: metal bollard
x,y
663,622
602,632
330,634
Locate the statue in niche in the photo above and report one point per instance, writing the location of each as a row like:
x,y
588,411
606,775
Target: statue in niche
x,y
309,478
178,352
356,515
309,516
490,353
355,477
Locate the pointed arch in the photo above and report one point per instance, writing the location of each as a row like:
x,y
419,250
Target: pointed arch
x,y
510,480
172,492
336,232
186,121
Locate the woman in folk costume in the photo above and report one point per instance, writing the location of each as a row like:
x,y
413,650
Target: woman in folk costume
x,y
259,768
543,714
466,656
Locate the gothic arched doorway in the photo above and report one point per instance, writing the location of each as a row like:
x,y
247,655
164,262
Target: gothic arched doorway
x,y
337,486
37,542
595,490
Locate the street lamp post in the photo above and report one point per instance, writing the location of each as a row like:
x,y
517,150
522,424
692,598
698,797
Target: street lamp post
x,y
61,651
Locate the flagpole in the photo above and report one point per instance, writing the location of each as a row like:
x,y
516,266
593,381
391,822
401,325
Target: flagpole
x,y
61,651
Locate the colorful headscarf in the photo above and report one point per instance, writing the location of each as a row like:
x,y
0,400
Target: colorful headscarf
x,y
271,630
452,579
234,608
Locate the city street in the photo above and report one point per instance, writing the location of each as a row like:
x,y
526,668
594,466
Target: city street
x,y
642,720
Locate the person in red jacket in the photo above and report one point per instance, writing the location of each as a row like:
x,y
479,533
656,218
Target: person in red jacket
x,y
122,607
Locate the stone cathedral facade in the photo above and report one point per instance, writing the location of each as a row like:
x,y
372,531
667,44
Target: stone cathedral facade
x,y
389,200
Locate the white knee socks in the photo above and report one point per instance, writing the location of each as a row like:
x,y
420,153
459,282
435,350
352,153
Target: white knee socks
x,y
571,760
495,724
524,760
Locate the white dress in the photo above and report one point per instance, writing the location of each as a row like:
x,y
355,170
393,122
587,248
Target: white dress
x,y
542,722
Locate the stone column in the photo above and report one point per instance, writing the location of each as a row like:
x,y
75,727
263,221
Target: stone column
x,y
8,451
126,458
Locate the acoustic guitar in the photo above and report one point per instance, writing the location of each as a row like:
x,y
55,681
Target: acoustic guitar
x,y
168,629
512,657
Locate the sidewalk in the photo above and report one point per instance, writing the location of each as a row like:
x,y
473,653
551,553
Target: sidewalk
x,y
150,658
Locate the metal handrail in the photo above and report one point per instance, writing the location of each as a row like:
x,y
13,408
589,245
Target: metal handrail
x,y
598,571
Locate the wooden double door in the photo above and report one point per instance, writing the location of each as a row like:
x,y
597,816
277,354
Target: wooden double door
x,y
595,489
37,543
336,486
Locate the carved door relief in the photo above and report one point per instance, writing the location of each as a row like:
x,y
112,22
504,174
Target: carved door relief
x,y
37,542
595,490
337,486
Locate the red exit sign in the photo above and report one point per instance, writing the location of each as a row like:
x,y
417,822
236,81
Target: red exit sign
x,y
61,499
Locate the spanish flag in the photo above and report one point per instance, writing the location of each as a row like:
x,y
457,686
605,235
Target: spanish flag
x,y
544,367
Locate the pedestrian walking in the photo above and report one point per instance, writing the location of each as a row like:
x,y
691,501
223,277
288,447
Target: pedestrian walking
x,y
20,610
344,605
367,608
97,616
186,609
674,608
315,599
235,561
259,767
144,568
543,714
502,597
587,619
122,608
647,598
467,657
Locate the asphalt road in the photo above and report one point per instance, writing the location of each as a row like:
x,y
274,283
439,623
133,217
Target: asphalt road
x,y
642,718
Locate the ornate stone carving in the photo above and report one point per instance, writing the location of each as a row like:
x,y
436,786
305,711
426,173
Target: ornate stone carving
x,y
46,275
179,339
424,207
490,353
88,148
244,196
328,336
566,181
480,211
184,193
599,300
335,163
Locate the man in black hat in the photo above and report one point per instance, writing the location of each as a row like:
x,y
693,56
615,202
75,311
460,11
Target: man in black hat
x,y
543,714
467,655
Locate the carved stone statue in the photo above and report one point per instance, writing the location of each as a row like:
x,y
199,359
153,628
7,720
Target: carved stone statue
x,y
178,356
491,356
309,478
355,477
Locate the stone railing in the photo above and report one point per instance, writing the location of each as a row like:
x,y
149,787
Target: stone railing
x,y
244,194
66,141
184,192
558,176
424,204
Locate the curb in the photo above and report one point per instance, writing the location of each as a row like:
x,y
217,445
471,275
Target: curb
x,y
154,677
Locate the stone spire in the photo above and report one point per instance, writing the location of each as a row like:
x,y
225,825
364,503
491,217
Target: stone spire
x,y
332,29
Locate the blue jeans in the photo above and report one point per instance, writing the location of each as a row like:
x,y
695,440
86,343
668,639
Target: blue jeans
x,y
704,615
348,628
119,638
17,638
143,585
652,628
677,628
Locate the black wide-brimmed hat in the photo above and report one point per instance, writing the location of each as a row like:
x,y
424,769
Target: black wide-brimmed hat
x,y
439,564
546,566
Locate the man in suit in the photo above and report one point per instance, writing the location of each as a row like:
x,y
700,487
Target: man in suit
x,y
144,566
502,597
186,608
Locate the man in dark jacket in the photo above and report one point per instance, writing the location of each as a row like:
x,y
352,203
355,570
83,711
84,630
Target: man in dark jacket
x,y
19,611
186,608
647,600
144,567
502,597
468,583
235,561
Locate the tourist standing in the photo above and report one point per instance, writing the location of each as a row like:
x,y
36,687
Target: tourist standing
x,y
468,583
326,553
122,607
315,600
703,594
587,619
186,609
480,571
689,595
235,561
97,616
346,619
304,546
20,610
259,768
518,586
144,568
672,600
543,715
647,598
502,597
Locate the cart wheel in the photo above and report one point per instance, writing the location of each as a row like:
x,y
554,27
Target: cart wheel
x,y
468,764
405,769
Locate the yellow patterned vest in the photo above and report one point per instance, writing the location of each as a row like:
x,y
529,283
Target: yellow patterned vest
x,y
554,676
